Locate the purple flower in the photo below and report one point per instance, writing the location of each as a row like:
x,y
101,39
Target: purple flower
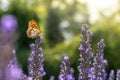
x,y
52,78
81,48
29,78
86,54
36,69
118,75
8,37
24,77
66,72
13,71
8,23
99,62
112,75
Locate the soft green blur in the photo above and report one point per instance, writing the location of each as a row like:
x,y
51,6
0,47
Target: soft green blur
x,y
61,31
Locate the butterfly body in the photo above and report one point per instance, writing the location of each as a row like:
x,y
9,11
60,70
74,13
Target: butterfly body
x,y
33,29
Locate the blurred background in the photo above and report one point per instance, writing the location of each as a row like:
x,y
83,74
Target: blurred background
x,y
60,22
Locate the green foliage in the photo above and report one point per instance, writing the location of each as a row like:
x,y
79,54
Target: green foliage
x,y
53,56
23,60
74,13
53,34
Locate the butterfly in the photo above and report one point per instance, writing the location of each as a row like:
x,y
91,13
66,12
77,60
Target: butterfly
x,y
33,29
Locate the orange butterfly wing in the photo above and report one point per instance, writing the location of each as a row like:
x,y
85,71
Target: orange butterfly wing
x,y
33,29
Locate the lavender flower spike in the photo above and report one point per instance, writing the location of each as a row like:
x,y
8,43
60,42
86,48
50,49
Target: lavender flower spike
x,y
36,70
85,72
13,71
118,75
66,72
99,62
112,75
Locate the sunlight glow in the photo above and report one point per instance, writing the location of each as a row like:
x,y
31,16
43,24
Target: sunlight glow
x,y
107,6
69,1
55,4
4,5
